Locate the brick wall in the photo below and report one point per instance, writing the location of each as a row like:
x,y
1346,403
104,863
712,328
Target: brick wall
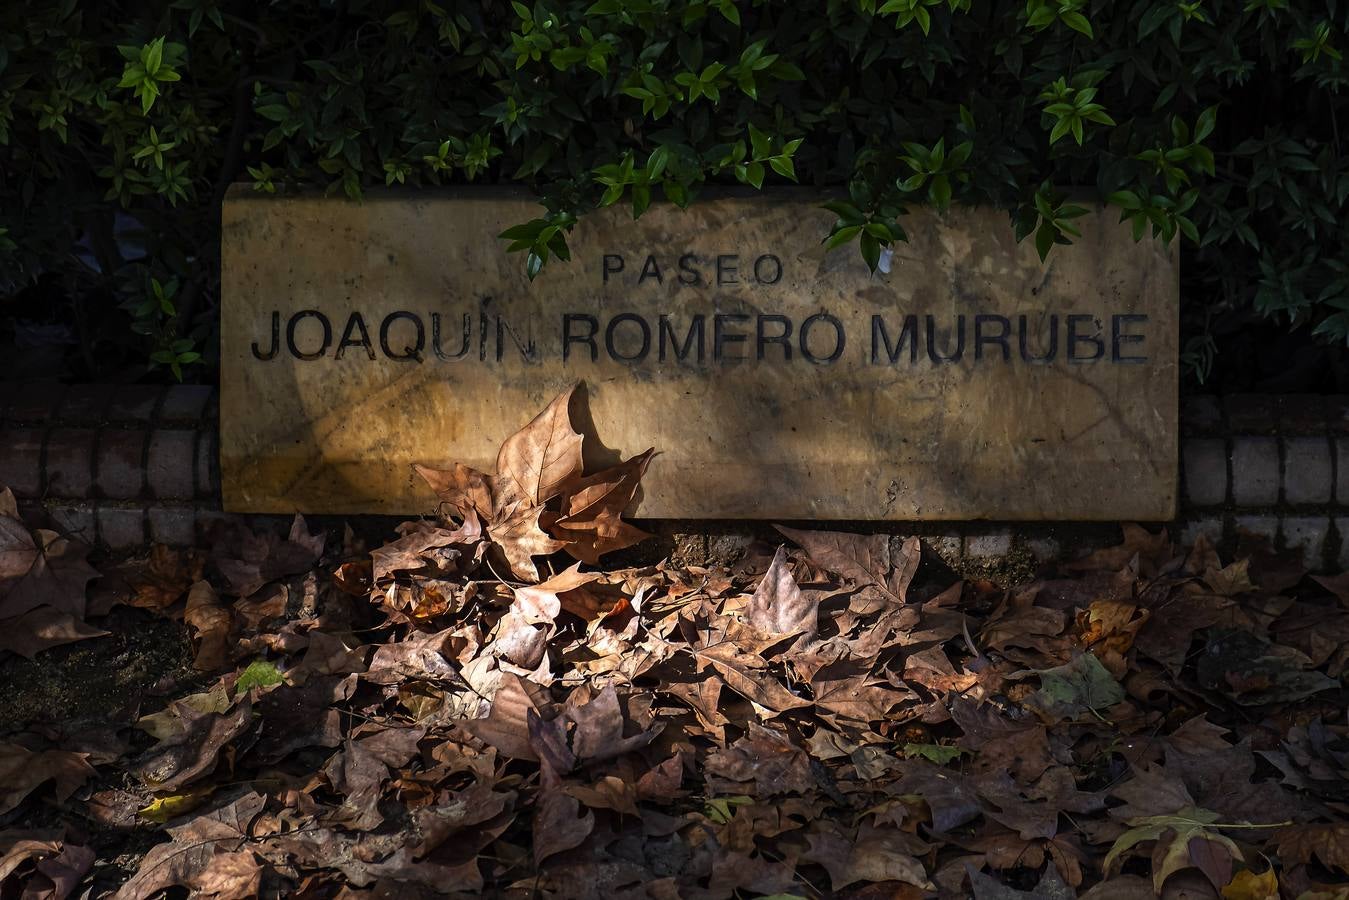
x,y
1273,465
124,465
117,465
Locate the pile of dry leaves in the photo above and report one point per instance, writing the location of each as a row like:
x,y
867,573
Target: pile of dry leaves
x,y
838,715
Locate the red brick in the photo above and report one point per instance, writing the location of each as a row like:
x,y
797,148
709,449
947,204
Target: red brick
x,y
134,402
21,461
86,402
121,528
121,463
170,462
186,403
37,401
70,459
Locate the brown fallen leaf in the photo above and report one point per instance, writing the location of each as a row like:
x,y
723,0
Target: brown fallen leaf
x,y
1328,843
762,763
184,860
210,621
186,757
538,459
155,582
591,523
247,561
43,865
462,488
18,847
779,606
39,568
41,629
506,725
230,876
599,729
865,560
559,824
414,549
23,770
871,855
531,466
358,774
741,672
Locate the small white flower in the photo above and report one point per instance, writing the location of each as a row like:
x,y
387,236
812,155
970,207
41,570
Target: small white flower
x,y
883,264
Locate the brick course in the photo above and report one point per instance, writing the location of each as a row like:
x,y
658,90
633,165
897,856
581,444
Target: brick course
x,y
127,464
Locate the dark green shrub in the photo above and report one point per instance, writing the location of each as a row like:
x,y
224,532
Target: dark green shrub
x,y
1212,120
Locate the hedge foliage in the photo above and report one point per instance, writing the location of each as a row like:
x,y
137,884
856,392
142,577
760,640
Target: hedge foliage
x,y
1213,120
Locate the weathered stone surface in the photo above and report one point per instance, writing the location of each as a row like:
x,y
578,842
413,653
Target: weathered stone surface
x,y
766,415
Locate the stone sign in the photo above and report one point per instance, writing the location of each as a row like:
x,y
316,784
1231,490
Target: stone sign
x,y
775,379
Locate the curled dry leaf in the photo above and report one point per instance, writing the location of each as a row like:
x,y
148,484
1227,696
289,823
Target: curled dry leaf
x,y
591,523
210,621
710,734
41,629
23,770
40,570
778,605
540,501
248,561
538,459
192,754
864,559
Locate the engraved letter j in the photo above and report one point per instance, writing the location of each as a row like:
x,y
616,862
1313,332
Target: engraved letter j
x,y
276,339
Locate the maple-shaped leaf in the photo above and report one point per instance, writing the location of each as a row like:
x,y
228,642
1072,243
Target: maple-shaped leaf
x,y
599,726
39,568
559,824
22,770
745,674
190,859
872,855
249,561
534,462
506,725
192,754
1327,842
591,523
762,762
1082,685
1175,834
460,487
535,466
1254,672
423,543
778,605
521,537
864,559
573,591
41,629
210,621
